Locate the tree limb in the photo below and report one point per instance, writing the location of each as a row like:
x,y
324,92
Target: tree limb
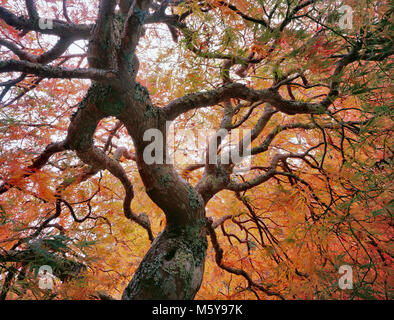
x,y
46,71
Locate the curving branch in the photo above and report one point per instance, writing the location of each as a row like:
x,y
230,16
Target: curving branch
x,y
65,12
37,164
270,173
60,28
31,9
219,261
133,27
100,161
21,54
101,39
31,86
238,91
56,72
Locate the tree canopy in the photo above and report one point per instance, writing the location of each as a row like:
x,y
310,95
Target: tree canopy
x,y
300,89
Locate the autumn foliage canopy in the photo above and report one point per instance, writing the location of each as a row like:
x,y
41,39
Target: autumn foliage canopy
x,y
83,80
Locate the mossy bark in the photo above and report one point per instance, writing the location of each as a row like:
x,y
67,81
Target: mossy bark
x,y
173,267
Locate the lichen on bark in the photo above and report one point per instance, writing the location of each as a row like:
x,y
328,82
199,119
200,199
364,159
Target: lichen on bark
x,y
194,199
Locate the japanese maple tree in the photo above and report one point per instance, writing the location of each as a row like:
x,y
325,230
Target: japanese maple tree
x,y
308,82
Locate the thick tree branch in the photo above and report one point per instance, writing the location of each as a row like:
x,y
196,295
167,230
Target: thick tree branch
x,y
20,53
65,12
134,25
31,9
46,71
260,21
240,91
